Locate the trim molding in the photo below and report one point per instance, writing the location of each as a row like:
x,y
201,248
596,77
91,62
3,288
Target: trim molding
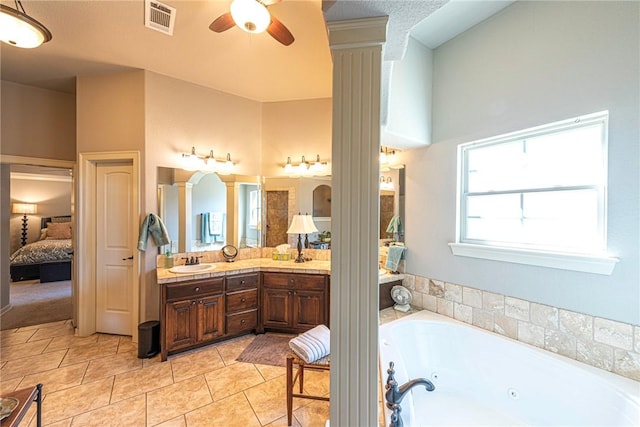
x,y
575,262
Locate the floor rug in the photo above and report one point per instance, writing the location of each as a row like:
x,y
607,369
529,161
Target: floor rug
x,y
267,349
37,303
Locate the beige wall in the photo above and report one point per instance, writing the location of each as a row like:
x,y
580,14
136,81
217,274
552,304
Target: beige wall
x,y
295,129
37,122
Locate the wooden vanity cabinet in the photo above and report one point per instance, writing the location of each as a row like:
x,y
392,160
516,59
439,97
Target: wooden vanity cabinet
x,y
193,314
293,302
242,303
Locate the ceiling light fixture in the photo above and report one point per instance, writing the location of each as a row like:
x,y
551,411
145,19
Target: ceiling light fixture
x,y
250,15
19,29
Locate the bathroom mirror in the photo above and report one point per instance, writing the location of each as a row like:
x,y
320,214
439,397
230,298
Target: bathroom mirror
x,y
205,211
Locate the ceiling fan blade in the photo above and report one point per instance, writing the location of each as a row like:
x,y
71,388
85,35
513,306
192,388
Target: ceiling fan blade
x,y
222,23
279,32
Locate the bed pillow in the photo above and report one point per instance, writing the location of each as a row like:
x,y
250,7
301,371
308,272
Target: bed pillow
x,y
43,234
58,230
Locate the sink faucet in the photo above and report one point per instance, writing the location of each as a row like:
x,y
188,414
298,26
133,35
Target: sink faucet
x,y
395,394
194,260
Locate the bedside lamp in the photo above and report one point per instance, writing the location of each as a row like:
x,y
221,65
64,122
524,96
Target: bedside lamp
x,y
301,224
24,208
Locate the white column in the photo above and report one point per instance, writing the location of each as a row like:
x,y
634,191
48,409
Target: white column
x,y
185,229
356,46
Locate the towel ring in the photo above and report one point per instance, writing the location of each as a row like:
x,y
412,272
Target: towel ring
x,y
229,252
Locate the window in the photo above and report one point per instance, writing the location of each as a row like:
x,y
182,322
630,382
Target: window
x,y
541,189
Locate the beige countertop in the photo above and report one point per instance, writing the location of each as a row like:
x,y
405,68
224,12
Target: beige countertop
x,y
220,269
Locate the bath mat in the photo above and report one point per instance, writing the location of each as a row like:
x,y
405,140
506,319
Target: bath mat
x,y
267,349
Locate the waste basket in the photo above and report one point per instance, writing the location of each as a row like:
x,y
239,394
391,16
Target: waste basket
x,y
148,339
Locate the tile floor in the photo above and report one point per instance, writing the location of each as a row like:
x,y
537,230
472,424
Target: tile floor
x,y
99,381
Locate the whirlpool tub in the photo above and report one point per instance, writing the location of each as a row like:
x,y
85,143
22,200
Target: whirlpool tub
x,y
482,378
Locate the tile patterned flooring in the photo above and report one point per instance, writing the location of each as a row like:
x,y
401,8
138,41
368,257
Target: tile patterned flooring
x,y
99,381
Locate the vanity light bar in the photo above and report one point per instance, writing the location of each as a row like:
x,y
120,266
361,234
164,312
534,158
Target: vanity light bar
x,y
317,168
193,161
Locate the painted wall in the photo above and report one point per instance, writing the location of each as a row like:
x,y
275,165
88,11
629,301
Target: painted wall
x,y
37,122
295,129
531,64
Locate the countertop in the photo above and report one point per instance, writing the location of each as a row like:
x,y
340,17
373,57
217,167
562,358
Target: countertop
x,y
221,269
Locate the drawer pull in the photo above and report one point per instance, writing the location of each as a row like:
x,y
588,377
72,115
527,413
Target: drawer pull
x,y
242,282
197,289
243,300
193,303
243,321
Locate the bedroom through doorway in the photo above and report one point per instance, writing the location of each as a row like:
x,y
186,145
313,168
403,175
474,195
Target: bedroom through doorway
x,y
41,248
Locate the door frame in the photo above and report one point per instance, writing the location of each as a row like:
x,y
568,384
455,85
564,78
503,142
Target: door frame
x,y
86,246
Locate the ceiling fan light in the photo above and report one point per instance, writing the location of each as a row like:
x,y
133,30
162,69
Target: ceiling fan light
x,y
20,30
250,15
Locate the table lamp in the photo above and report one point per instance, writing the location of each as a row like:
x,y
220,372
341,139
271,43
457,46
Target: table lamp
x,y
24,208
301,224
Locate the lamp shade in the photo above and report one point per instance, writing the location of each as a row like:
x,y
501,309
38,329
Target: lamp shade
x,y
250,15
302,224
21,30
24,208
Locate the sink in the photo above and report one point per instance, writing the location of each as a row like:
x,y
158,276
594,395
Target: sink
x,y
196,268
382,271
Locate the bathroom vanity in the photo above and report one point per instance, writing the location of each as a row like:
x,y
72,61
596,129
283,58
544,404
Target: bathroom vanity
x,y
233,299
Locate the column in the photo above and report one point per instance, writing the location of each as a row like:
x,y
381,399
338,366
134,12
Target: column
x,y
356,46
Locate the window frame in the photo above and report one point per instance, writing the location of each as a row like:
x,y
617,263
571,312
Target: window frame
x,y
596,261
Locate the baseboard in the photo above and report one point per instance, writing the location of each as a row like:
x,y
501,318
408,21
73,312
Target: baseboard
x,y
5,309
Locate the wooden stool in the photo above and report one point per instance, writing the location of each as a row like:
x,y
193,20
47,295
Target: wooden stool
x,y
293,359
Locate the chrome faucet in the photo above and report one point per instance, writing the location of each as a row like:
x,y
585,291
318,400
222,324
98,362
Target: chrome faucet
x,y
395,394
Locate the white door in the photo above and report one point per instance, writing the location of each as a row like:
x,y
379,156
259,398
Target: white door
x,y
115,249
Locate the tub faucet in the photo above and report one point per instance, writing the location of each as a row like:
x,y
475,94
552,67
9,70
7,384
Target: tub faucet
x,y
395,394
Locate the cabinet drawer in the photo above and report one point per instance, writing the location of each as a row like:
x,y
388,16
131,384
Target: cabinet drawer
x,y
242,321
294,281
194,289
243,281
242,300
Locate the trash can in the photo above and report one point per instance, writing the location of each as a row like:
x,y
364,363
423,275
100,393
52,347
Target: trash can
x,y
148,339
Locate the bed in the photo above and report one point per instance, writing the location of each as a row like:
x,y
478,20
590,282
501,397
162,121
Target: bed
x,y
47,259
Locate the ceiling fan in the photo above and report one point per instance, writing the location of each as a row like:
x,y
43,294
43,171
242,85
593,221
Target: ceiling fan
x,y
252,16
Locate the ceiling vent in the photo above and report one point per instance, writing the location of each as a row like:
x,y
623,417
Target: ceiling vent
x,y
159,17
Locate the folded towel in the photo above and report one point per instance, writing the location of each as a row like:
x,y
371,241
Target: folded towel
x,y
215,223
394,257
312,345
205,235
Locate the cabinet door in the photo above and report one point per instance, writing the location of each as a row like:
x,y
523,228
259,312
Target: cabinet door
x,y
308,309
210,317
180,328
276,308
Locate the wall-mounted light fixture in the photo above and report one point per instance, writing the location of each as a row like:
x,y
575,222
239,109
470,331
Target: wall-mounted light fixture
x,y
389,159
24,209
305,168
386,183
193,162
19,29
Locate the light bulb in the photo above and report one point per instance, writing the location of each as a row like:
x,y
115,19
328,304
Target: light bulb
x,y
250,15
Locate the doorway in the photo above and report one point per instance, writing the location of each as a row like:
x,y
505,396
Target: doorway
x,y
106,252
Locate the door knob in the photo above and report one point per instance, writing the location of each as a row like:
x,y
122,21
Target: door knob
x,y
124,259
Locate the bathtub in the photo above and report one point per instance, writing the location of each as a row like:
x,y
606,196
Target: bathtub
x,y
482,378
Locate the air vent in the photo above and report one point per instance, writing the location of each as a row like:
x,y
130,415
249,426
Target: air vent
x,y
159,16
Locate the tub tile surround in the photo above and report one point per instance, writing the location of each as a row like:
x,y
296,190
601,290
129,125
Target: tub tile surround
x,y
603,343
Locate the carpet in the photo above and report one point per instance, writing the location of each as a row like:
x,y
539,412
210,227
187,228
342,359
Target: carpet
x,y
34,303
267,349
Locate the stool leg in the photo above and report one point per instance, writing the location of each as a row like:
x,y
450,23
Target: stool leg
x,y
301,370
289,389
